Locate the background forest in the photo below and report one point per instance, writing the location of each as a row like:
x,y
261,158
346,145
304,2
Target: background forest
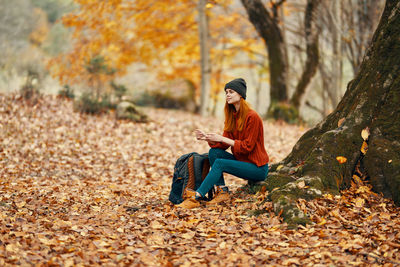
x,y
161,52
99,98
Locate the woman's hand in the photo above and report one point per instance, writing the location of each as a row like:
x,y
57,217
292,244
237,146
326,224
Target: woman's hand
x,y
213,137
200,135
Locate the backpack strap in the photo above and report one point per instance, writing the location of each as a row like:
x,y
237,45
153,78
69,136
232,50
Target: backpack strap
x,y
191,181
206,169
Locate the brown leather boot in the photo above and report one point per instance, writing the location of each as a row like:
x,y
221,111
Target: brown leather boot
x,y
190,201
221,195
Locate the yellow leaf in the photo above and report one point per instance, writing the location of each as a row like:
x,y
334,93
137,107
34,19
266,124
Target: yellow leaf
x,y
359,202
322,222
279,167
341,159
363,189
365,133
364,148
390,161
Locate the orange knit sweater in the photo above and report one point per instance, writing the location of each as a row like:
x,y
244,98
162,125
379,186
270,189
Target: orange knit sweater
x,y
249,143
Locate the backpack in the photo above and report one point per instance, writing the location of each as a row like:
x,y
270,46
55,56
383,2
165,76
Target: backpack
x,y
189,172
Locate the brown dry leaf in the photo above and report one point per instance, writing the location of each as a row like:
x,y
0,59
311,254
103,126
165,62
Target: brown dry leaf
x,y
188,235
156,225
384,216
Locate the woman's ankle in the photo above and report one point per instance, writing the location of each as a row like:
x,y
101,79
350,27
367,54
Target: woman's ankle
x,y
198,196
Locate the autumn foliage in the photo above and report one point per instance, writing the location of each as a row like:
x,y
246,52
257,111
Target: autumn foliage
x,y
163,35
80,190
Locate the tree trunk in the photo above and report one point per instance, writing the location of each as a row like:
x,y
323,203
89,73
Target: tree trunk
x,y
267,27
311,35
337,55
372,100
205,58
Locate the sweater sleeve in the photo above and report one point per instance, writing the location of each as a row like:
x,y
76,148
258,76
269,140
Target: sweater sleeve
x,y
220,144
251,130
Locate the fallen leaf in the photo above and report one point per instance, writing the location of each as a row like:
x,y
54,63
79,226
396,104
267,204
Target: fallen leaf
x,y
365,133
364,148
341,159
359,202
279,167
189,235
341,121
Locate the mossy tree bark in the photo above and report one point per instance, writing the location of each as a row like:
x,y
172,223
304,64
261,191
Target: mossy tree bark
x,y
372,100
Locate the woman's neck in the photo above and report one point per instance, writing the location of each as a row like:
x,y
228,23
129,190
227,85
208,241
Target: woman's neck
x,y
237,106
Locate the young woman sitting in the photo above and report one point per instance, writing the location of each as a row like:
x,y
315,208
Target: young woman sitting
x,y
244,134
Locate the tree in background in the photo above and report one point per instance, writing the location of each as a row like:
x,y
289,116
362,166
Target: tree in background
x,y
347,27
163,35
17,21
268,23
359,19
311,33
24,29
205,62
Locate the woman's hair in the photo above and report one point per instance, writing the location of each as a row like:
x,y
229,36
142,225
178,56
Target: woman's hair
x,y
230,123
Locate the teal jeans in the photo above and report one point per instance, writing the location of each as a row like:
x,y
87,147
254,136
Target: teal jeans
x,y
222,161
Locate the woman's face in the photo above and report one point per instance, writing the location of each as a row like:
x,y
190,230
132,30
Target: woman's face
x,y
231,96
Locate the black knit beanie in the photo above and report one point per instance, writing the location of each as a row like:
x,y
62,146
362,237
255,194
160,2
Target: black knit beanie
x,y
238,85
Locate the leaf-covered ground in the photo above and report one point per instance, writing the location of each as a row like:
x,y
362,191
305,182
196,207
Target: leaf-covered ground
x,y
89,190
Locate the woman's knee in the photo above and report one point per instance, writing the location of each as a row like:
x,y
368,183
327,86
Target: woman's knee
x,y
213,154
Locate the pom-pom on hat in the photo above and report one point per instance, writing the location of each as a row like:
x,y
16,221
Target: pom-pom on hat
x,y
238,85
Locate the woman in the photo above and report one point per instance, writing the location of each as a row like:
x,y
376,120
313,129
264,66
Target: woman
x,y
244,134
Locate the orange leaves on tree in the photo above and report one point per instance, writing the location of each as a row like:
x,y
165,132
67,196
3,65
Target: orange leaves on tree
x,y
39,34
163,34
99,31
